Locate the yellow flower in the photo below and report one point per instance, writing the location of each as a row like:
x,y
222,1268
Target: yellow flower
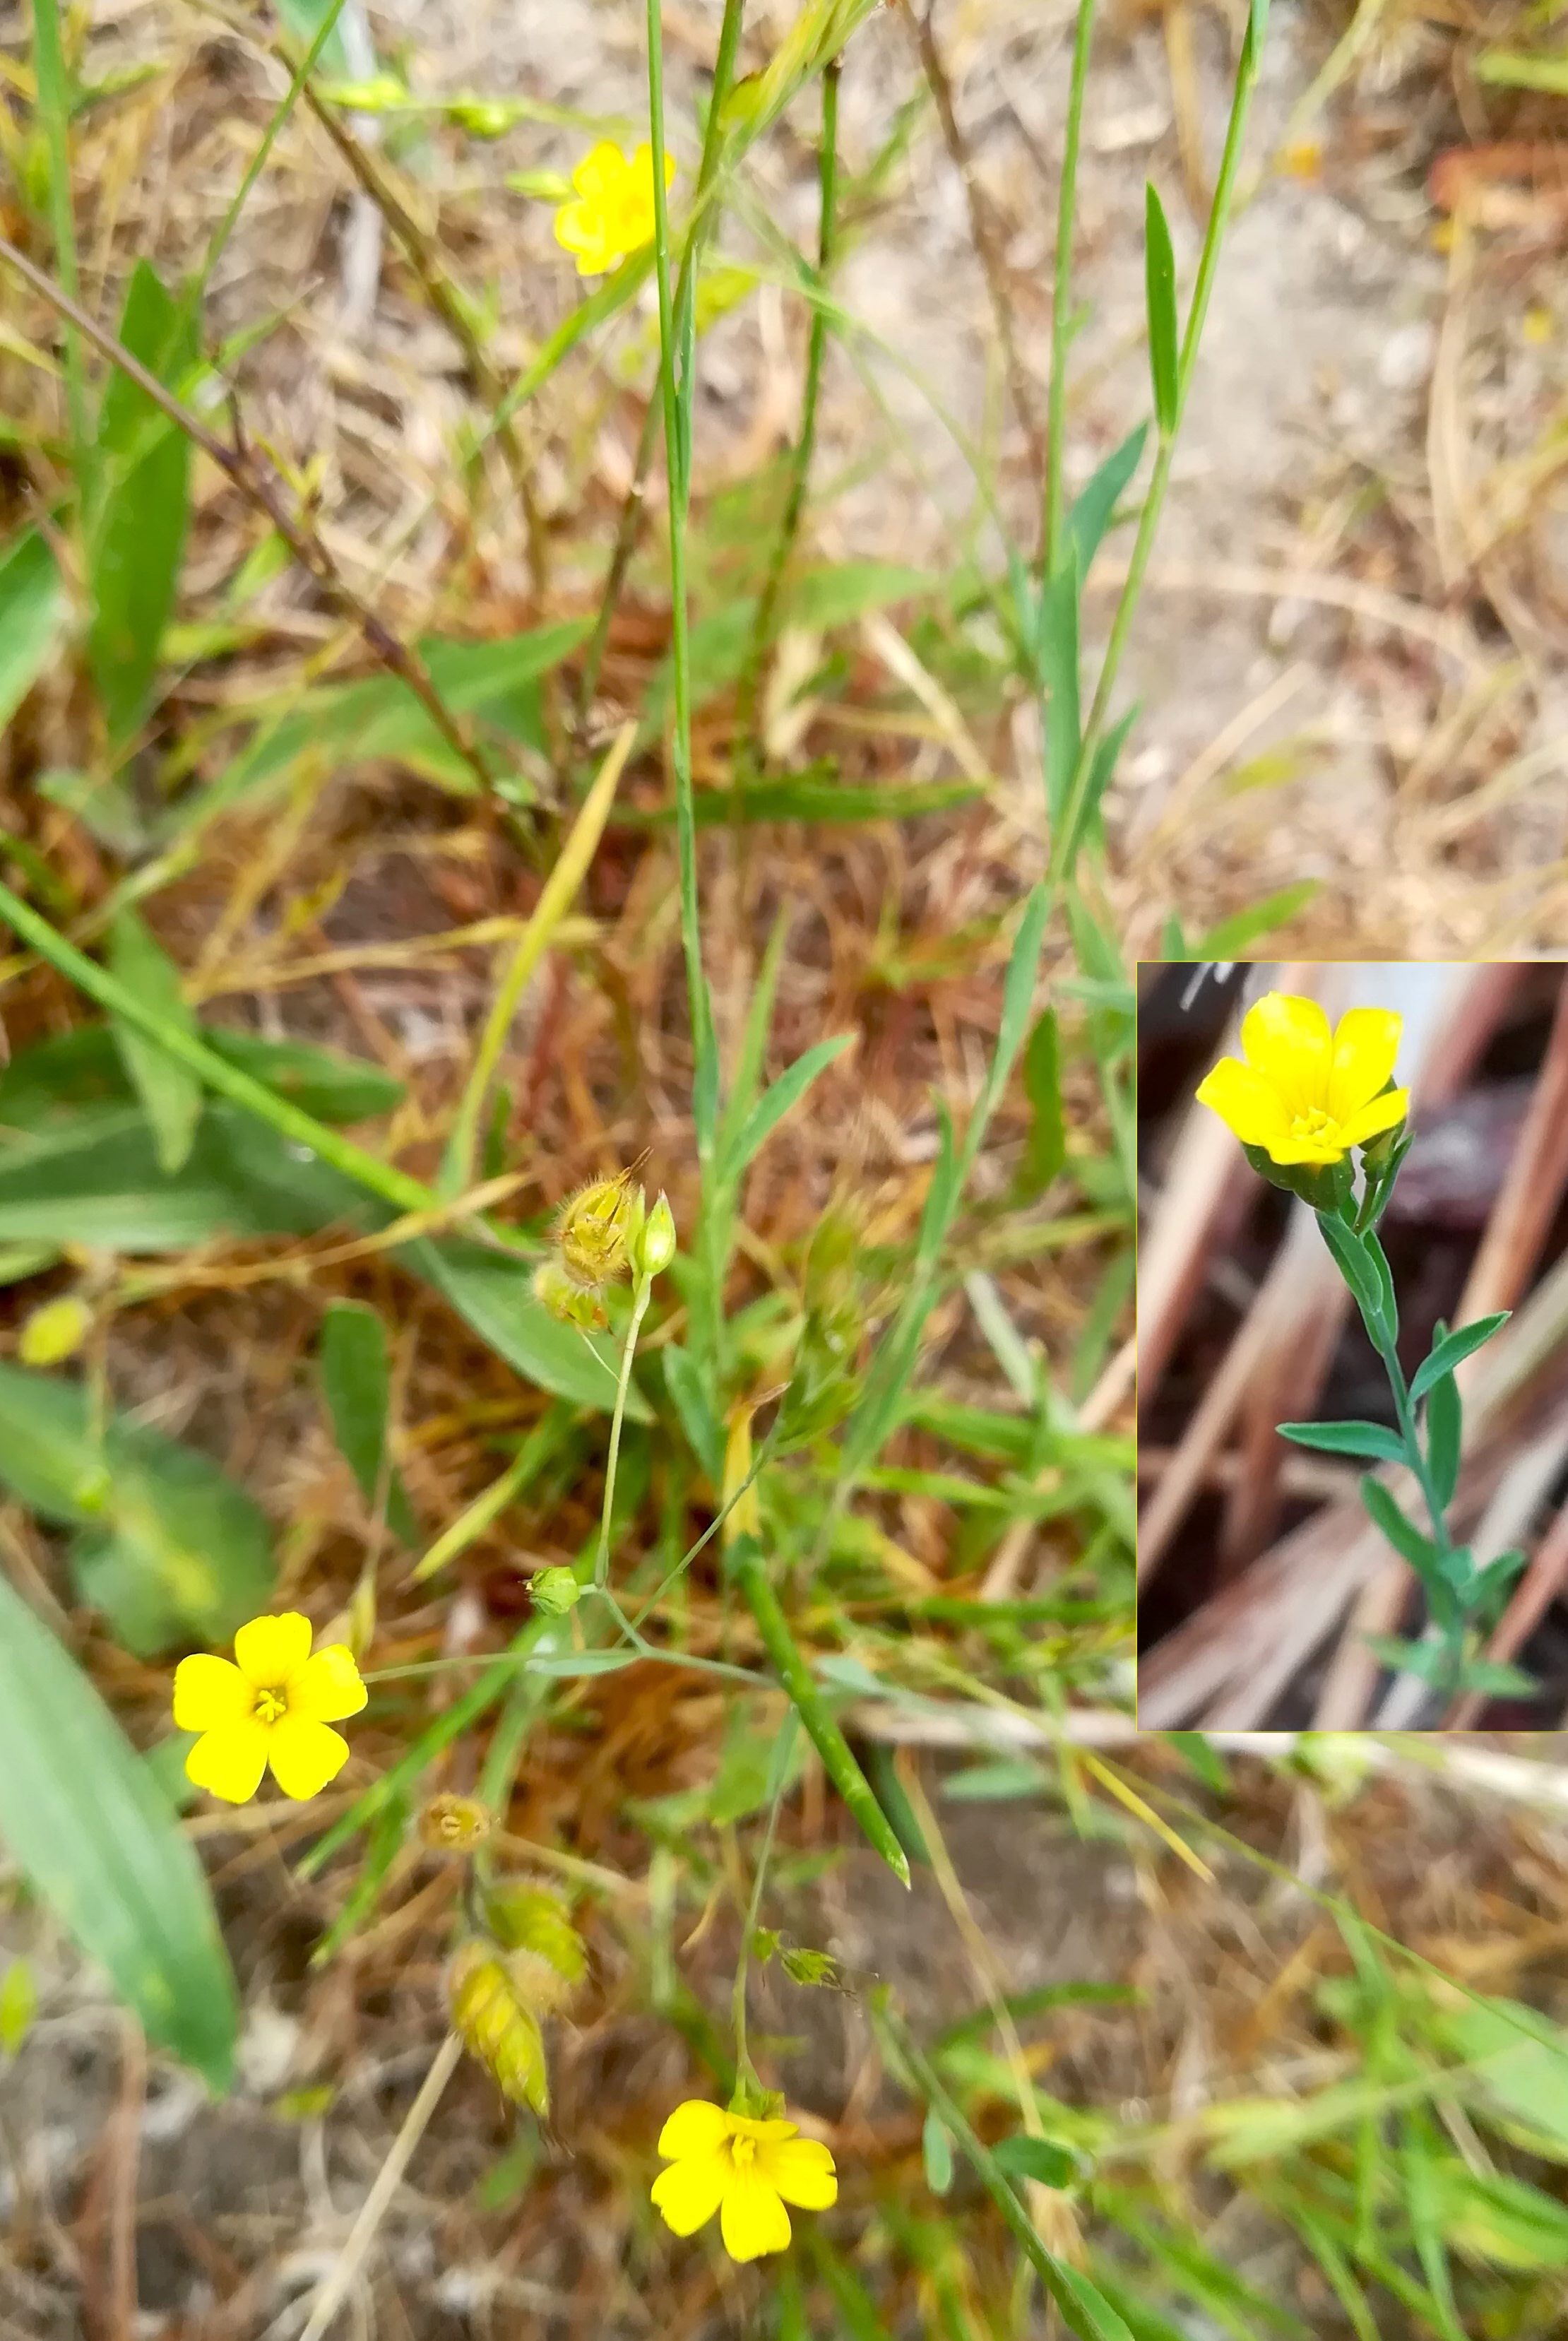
x,y
745,2170
271,1705
1307,1094
613,210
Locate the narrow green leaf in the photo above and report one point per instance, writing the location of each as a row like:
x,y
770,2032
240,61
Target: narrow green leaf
x,y
936,2153
1447,1353
1036,2157
1504,1682
1357,1272
1045,1147
18,2004
1058,654
1370,1441
776,1101
1232,936
1387,1303
356,1382
169,1092
33,613
96,1837
141,498
748,1073
689,1391
1203,1757
1094,507
1444,1432
1425,1660
1160,288
1403,1535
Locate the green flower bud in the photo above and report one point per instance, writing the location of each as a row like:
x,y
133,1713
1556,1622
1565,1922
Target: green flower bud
x,y
554,1591
653,1247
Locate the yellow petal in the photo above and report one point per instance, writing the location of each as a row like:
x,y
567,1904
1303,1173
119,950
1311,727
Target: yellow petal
x,y
1288,1041
752,2220
304,1756
697,2127
327,1686
1244,1102
1382,1113
1365,1045
603,167
230,1760
270,1649
687,2194
801,2170
208,1693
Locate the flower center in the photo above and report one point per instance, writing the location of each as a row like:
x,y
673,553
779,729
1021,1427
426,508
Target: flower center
x,y
742,2151
271,1705
1314,1123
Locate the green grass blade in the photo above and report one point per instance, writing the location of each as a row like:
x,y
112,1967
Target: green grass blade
x,y
95,1838
1160,287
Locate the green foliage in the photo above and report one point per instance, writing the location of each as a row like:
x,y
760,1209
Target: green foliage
x,y
32,617
97,1839
1160,298
356,1382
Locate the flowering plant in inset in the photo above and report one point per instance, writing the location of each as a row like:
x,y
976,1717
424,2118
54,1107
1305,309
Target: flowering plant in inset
x,y
1304,1100
273,1704
745,2170
611,210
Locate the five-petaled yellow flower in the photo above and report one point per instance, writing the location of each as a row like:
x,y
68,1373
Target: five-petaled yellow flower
x,y
612,213
271,1704
745,2170
1307,1094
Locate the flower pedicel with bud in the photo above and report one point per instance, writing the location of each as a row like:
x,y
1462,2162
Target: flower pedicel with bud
x,y
1304,1100
611,210
272,1705
745,2170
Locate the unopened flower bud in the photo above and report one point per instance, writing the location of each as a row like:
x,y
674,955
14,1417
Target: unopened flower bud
x,y
55,1333
496,2026
654,1247
554,1591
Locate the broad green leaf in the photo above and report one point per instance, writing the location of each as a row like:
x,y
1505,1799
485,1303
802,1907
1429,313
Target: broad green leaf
x,y
1370,1441
95,1836
33,613
1499,2221
1518,2069
836,594
1403,1535
356,1379
1159,282
1454,1347
493,1294
777,1100
1094,507
169,1092
85,1068
140,503
167,1546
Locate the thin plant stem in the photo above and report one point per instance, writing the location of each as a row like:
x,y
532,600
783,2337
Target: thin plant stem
x,y
783,1749
1055,518
1076,810
632,507
1446,1611
801,462
639,1310
53,103
299,75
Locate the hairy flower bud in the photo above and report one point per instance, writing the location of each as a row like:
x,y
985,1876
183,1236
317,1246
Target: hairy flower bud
x,y
55,1333
592,1231
567,1302
453,1824
554,1591
497,2027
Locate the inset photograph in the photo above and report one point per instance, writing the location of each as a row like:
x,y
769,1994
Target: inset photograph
x,y
1353,1345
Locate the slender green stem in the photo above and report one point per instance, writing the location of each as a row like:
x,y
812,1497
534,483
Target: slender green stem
x,y
779,1773
54,106
676,383
1062,297
1442,1601
631,508
639,1310
1074,811
800,463
258,161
